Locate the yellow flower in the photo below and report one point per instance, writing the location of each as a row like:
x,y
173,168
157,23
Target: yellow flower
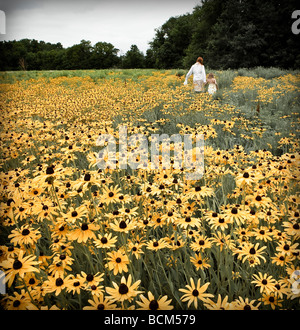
x,y
151,303
124,291
193,293
25,235
19,266
118,262
84,232
264,282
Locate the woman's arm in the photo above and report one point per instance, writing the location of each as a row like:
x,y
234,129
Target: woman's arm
x,y
204,74
188,75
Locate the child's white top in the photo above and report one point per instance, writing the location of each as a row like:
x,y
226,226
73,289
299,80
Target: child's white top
x,y
198,72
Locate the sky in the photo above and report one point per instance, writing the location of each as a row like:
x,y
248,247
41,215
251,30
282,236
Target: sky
x,y
120,22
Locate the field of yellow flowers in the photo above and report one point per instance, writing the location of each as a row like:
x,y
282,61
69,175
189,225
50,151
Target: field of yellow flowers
x,y
74,236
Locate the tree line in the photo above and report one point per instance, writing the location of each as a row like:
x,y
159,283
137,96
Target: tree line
x,y
226,33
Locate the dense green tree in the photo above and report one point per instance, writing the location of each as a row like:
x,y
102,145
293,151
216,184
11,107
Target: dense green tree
x,y
204,17
104,56
258,34
171,41
133,58
226,33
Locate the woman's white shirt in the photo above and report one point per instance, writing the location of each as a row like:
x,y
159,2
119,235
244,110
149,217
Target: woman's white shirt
x,y
198,72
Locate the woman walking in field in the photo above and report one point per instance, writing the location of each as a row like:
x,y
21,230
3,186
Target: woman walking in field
x,y
199,76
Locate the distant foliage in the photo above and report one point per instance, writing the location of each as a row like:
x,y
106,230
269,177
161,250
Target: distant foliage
x,y
228,34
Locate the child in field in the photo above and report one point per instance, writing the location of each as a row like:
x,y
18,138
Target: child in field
x,y
212,84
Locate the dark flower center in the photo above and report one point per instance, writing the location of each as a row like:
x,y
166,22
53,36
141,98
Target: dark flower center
x,y
49,170
103,240
123,288
118,260
153,305
87,177
122,224
59,282
110,194
195,293
16,303
84,226
25,232
246,175
89,277
17,264
74,214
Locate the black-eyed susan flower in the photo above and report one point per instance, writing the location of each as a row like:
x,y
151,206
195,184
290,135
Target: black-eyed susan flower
x,y
117,261
219,304
100,303
201,243
188,221
287,247
19,301
271,299
25,235
219,222
244,178
56,284
292,228
282,259
234,213
75,284
223,241
252,252
200,262
150,303
96,290
75,213
110,194
91,279
83,232
122,226
245,304
262,233
193,293
156,244
265,283
19,266
124,291
136,248
105,241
